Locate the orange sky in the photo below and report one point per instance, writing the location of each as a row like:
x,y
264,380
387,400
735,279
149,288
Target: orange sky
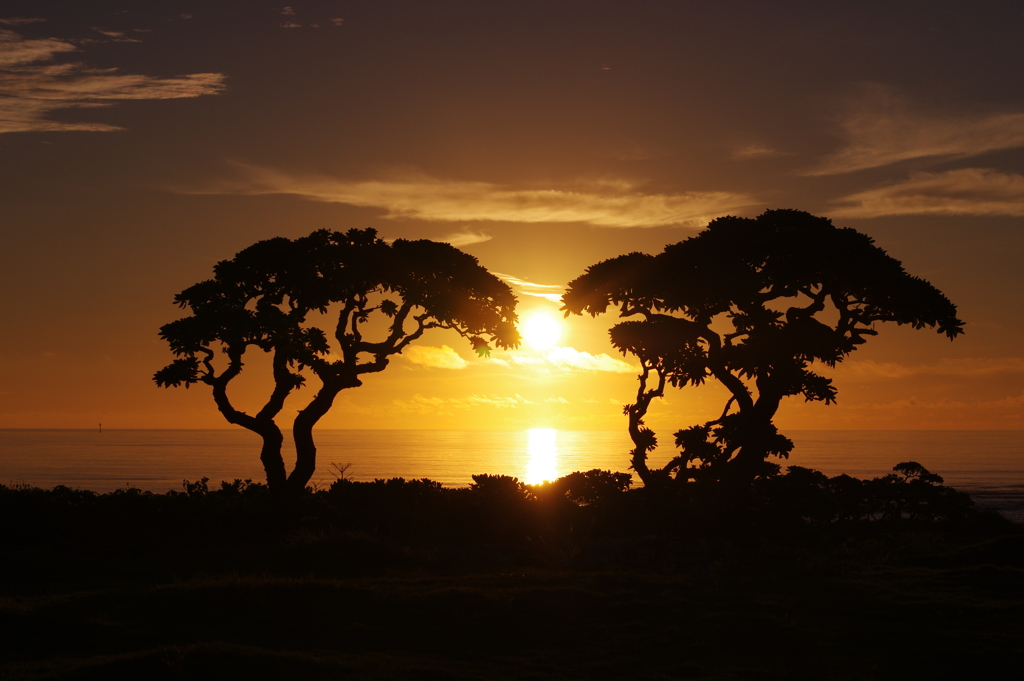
x,y
142,142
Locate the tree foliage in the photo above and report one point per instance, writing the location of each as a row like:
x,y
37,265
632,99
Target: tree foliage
x,y
755,304
373,298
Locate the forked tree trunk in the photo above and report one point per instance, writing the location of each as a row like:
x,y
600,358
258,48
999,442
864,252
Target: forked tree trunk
x,y
302,432
263,425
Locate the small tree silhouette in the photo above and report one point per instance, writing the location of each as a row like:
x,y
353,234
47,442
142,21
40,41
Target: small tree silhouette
x,y
753,304
266,298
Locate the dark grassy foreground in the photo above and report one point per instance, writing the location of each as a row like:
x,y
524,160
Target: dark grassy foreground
x,y
810,578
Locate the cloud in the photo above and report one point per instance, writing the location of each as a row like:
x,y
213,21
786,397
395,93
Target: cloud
x,y
524,359
552,292
288,12
496,401
609,204
447,405
571,359
968,191
31,87
884,129
337,21
115,36
20,21
565,360
562,359
753,151
442,358
15,50
291,24
465,238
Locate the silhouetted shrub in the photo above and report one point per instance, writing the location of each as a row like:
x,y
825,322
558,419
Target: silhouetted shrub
x,y
585,488
911,494
500,487
914,493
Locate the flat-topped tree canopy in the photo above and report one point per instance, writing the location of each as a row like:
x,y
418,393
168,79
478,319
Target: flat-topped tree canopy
x,y
769,278
264,297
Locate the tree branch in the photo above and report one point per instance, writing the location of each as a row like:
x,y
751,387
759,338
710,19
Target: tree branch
x,y
284,383
220,394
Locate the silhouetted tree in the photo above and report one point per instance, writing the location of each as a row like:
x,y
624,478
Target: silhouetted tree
x,y
270,295
752,303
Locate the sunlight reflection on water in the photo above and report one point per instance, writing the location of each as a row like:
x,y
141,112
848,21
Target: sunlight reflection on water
x,y
991,462
542,445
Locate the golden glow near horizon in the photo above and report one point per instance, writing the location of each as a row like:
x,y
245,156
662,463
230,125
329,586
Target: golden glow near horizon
x,y
542,446
540,329
539,175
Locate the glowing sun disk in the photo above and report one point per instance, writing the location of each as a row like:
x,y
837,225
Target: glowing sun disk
x,y
541,330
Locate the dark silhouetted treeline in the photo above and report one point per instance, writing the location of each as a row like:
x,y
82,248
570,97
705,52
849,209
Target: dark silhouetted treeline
x,y
582,578
585,517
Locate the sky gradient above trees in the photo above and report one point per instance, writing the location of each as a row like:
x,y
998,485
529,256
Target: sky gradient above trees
x,y
140,143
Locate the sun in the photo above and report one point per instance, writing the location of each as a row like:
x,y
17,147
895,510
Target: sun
x,y
541,330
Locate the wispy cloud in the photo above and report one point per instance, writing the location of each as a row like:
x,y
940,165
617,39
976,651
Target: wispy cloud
x,y
565,359
31,86
19,21
609,204
447,405
968,191
552,292
753,151
883,128
115,36
569,359
497,401
465,238
16,51
441,358
557,360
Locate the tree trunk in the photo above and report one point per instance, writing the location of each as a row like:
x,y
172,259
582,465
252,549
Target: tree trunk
x,y
746,465
641,438
754,447
638,462
262,424
270,455
302,432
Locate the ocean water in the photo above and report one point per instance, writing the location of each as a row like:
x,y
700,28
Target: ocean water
x,y
988,464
